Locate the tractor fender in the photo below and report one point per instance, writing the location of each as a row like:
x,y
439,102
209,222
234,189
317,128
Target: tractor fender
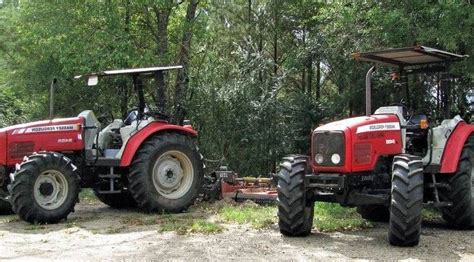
x,y
134,142
452,151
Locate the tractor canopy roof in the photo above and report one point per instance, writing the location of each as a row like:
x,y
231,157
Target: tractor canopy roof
x,y
134,72
409,57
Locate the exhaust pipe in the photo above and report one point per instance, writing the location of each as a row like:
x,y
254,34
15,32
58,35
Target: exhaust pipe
x,y
368,91
51,98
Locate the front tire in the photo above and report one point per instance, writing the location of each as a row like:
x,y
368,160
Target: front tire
x,y
166,174
461,193
407,201
45,188
295,212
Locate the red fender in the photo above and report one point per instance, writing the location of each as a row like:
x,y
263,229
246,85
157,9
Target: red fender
x,y
452,151
138,138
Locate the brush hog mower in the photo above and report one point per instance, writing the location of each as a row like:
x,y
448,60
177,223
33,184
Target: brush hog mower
x,y
141,160
225,183
390,163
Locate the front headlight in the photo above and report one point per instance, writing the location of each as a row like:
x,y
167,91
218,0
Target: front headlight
x,y
319,158
335,159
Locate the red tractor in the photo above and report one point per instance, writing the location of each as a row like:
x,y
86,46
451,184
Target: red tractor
x,y
139,161
389,164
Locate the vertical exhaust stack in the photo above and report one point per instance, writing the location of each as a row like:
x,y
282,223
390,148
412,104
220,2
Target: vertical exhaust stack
x,y
368,91
51,98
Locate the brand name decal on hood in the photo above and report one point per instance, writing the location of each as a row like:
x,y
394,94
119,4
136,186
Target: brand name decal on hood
x,y
43,129
378,127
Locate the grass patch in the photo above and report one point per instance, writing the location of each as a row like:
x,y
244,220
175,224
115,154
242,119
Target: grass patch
x,y
431,215
257,216
204,226
187,223
11,219
35,227
87,195
330,217
140,221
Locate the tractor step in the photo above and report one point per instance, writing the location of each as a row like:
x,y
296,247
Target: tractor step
x,y
109,191
439,185
109,176
439,204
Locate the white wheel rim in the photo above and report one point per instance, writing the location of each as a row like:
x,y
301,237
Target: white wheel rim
x,y
173,174
51,189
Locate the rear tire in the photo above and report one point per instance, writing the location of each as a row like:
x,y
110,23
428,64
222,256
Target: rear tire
x,y
120,200
295,212
461,193
376,213
407,201
166,173
45,188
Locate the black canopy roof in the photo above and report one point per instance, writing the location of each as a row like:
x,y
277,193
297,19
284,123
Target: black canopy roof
x,y
131,71
409,56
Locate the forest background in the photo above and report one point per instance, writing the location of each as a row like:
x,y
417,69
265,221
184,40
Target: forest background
x,y
258,75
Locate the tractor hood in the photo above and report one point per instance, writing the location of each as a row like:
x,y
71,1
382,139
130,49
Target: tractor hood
x,y
355,144
363,124
40,123
63,134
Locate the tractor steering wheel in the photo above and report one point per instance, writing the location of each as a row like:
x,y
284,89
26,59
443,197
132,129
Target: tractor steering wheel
x,y
106,118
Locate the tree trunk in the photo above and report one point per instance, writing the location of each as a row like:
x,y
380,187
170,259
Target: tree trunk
x,y
182,80
318,80
123,85
309,67
162,15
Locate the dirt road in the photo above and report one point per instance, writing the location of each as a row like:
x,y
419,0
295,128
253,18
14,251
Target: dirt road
x,y
96,232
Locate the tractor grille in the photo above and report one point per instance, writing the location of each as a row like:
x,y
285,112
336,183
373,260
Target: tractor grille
x,y
327,144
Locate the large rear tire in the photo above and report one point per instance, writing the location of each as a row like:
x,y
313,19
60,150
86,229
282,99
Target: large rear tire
x,y
295,212
45,188
166,174
461,193
407,201
120,200
376,213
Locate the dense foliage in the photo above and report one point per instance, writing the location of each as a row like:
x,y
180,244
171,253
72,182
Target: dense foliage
x,y
258,74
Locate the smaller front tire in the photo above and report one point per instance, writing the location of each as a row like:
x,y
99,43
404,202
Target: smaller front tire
x,y
407,201
295,212
45,188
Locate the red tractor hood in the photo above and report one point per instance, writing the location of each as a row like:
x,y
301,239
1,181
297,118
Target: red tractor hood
x,y
64,134
362,124
365,140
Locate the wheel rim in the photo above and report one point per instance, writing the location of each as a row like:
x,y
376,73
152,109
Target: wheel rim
x,y
173,174
51,189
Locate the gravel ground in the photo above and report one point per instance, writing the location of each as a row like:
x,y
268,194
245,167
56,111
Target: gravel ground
x,y
96,232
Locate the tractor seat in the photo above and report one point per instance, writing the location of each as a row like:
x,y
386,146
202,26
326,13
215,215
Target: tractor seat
x,y
106,135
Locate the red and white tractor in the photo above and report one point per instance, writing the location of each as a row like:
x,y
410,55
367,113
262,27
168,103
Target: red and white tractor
x,y
389,164
139,161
